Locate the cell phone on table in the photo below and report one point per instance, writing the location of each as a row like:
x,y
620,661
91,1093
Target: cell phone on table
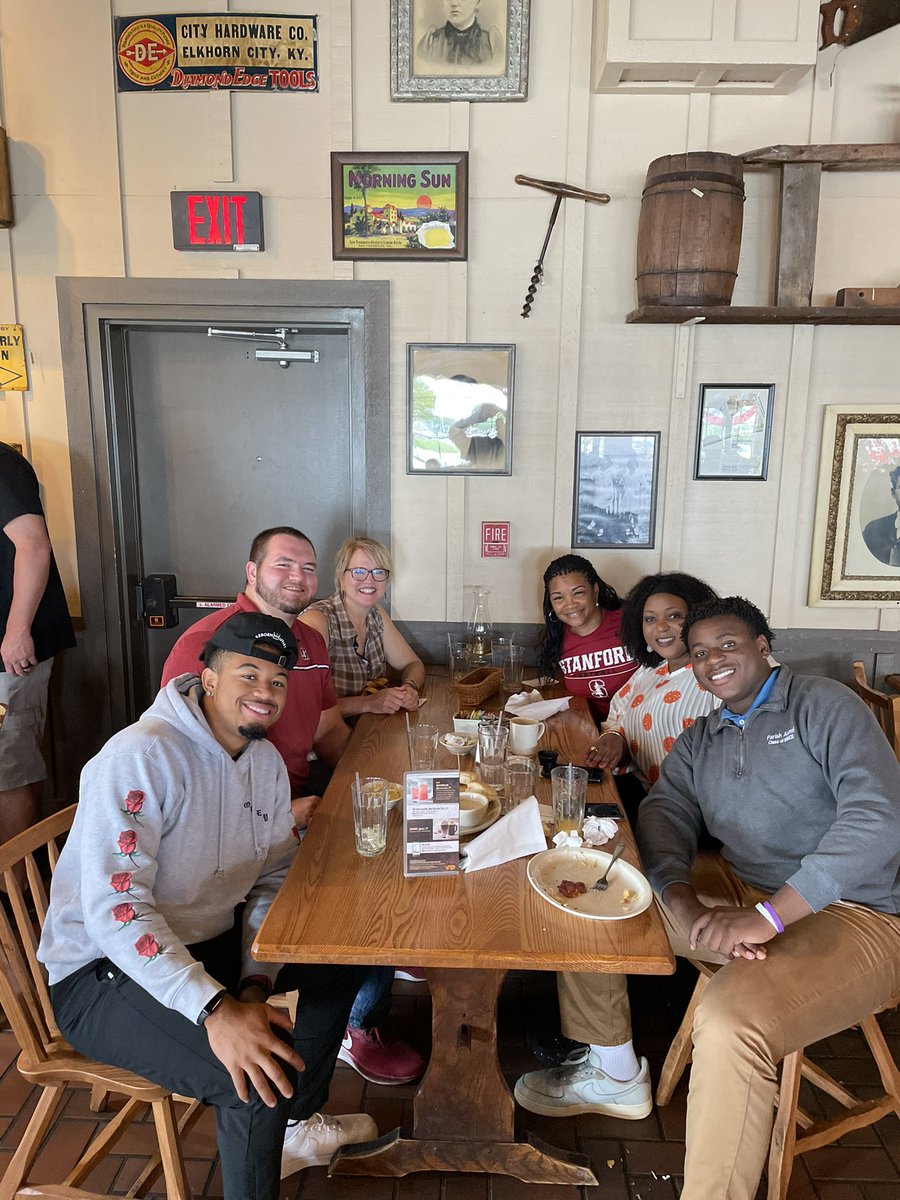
x,y
603,810
595,774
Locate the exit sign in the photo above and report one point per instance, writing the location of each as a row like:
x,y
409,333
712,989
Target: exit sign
x,y
495,539
220,221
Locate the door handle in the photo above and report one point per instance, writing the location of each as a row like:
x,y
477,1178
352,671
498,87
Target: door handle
x,y
158,602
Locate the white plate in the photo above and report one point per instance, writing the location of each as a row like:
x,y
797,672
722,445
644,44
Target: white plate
x,y
490,816
459,751
547,869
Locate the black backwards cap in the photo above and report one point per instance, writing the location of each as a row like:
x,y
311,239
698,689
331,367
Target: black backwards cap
x,y
254,635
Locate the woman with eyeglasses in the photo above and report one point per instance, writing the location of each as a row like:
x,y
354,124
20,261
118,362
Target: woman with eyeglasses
x,y
362,639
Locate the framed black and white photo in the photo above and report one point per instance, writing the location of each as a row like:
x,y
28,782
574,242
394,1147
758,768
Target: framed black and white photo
x,y
459,49
734,428
460,408
615,490
856,540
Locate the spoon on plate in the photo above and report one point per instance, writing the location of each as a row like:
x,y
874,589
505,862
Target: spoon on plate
x,y
601,885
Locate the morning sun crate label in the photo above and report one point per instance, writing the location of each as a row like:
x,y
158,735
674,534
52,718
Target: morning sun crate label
x,y
430,822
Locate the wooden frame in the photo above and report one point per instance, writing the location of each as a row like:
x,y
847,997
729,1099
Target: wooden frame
x,y
495,66
734,428
614,502
857,508
392,205
459,403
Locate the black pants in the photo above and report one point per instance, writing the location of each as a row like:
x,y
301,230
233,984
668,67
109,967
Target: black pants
x,y
105,1014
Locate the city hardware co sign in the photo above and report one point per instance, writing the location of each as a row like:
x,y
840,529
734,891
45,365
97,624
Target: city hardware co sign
x,y
222,221
258,52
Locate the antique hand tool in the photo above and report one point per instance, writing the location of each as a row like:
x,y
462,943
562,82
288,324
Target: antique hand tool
x,y
560,190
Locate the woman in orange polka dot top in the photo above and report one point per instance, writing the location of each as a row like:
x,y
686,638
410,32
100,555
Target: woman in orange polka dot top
x,y
662,698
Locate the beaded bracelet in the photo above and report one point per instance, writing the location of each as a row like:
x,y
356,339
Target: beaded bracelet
x,y
766,910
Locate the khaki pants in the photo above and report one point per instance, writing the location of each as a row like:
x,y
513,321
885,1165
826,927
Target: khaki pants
x,y
822,975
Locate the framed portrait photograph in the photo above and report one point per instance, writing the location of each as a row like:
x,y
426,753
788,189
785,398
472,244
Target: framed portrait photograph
x,y
615,490
459,49
734,428
399,206
460,408
856,540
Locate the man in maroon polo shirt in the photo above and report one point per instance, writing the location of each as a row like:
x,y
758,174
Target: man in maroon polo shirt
x,y
281,582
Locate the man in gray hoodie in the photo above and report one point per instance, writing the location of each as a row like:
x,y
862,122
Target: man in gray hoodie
x,y
181,818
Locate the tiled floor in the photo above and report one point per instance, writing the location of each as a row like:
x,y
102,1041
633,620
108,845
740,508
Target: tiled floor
x,y
634,1160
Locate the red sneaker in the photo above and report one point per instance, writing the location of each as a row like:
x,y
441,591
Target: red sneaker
x,y
380,1061
411,974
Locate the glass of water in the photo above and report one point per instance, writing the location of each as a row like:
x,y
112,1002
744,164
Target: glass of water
x,y
493,738
423,741
370,798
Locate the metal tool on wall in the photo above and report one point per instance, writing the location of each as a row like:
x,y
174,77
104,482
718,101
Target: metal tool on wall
x,y
560,190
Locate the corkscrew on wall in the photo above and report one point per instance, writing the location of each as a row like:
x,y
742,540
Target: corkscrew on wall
x,y
560,190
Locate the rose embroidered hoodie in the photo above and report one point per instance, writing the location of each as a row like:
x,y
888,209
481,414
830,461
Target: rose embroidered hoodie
x,y
170,834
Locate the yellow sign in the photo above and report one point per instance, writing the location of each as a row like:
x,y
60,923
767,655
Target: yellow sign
x,y
13,377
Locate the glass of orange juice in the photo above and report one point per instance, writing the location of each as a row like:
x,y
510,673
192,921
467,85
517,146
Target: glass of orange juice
x,y
569,793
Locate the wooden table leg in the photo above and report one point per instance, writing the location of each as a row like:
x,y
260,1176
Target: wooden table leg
x,y
464,1112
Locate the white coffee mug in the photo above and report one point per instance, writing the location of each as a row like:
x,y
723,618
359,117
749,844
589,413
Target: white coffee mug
x,y
524,734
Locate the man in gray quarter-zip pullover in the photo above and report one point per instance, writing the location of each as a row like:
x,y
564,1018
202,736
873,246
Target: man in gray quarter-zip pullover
x,y
794,777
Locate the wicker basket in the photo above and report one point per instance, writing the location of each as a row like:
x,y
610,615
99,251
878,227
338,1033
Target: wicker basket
x,y
478,685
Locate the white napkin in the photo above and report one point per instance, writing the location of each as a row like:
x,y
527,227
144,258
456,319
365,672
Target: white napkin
x,y
516,834
598,830
534,706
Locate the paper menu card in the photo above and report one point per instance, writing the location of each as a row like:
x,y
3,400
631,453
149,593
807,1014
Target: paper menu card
x,y
430,822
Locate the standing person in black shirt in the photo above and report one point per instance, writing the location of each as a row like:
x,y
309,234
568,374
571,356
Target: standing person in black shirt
x,y
34,626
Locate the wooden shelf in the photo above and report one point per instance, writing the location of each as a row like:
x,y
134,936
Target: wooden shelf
x,y
726,314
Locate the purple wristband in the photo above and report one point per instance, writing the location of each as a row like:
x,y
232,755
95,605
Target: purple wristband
x,y
773,916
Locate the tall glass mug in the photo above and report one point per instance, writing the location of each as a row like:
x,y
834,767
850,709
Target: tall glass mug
x,y
370,798
459,654
493,737
423,740
569,794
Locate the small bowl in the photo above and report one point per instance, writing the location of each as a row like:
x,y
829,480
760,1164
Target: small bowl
x,y
472,809
459,744
395,794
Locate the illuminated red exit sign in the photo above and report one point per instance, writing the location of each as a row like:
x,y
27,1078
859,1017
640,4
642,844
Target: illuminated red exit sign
x,y
495,539
220,221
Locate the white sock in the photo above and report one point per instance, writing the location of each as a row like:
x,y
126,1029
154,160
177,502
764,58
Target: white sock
x,y
618,1062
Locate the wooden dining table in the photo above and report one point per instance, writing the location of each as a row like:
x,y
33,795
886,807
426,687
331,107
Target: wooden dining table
x,y
466,931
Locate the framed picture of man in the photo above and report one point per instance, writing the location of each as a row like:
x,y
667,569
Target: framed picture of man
x,y
460,408
856,541
459,49
615,490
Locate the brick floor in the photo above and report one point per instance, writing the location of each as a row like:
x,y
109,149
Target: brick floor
x,y
634,1160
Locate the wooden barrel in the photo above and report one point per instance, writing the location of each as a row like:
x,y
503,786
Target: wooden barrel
x,y
689,236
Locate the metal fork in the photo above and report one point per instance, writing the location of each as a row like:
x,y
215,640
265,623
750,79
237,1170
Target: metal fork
x,y
601,885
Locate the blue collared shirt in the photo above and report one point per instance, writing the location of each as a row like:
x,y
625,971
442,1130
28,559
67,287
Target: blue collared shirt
x,y
762,696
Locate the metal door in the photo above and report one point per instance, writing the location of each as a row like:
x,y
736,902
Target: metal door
x,y
215,445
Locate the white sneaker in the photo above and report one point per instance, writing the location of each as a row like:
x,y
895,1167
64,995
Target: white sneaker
x,y
568,1091
312,1142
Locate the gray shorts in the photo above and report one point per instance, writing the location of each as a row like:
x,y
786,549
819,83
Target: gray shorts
x,y
21,761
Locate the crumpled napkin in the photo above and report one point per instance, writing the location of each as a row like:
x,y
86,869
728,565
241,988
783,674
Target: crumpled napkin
x,y
517,833
534,706
598,830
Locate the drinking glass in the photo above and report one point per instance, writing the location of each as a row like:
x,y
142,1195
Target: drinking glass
x,y
423,740
459,656
493,737
569,793
519,778
370,797
513,667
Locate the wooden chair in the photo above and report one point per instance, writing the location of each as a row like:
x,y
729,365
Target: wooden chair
x,y
885,708
786,1141
46,1059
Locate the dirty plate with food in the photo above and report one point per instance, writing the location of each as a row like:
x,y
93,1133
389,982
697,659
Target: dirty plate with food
x,y
395,794
489,815
560,875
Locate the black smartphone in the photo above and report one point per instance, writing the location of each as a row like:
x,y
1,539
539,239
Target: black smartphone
x,y
595,774
602,810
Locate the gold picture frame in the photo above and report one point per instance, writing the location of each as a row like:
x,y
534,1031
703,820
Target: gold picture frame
x,y
857,510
